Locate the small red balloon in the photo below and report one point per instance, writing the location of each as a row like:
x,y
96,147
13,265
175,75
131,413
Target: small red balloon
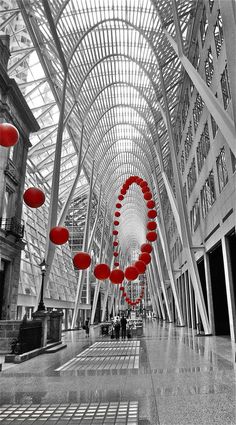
x,y
116,223
151,236
140,265
115,243
117,276
124,294
82,260
59,235
120,197
151,204
145,257
143,183
122,288
101,271
123,192
146,247
118,205
152,214
115,254
34,197
145,189
116,264
115,232
131,273
9,135
151,225
147,196
117,214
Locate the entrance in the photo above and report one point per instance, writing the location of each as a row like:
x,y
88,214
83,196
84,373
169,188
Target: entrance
x,y
220,305
3,269
232,250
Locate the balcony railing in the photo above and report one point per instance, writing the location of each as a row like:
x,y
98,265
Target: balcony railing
x,y
11,171
12,226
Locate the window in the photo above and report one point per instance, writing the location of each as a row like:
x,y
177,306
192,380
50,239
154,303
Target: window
x,y
214,126
197,110
218,33
209,68
188,142
195,216
203,148
222,170
225,87
207,194
185,107
203,26
191,177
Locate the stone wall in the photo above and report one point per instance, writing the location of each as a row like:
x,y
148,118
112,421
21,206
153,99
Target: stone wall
x,y
9,329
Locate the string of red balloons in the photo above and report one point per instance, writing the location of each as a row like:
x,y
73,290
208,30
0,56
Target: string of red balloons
x,y
59,235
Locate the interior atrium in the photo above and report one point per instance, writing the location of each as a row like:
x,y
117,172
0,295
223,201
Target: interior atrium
x,y
124,113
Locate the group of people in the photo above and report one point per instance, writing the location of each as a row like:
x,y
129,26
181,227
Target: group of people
x,y
120,324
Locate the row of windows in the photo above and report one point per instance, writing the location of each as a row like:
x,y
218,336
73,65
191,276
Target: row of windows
x,y
208,193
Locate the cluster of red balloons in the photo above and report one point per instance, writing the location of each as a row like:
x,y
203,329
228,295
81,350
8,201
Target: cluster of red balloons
x,y
128,300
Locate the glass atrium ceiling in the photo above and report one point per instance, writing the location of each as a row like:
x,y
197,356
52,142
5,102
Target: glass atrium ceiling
x,y
112,52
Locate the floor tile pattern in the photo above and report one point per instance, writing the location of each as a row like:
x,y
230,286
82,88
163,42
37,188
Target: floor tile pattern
x,y
105,356
123,413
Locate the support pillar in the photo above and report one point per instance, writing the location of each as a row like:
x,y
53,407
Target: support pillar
x,y
229,287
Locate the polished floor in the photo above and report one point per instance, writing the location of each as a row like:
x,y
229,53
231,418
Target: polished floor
x,y
169,376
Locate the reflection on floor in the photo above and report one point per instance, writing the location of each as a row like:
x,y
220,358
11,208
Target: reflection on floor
x,y
104,356
181,379
124,413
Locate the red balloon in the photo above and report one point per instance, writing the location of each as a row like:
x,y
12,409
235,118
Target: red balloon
x,y
151,204
115,254
123,192
115,232
151,225
146,247
120,197
34,197
124,294
117,214
101,271
9,135
139,180
117,276
145,257
122,288
127,299
59,235
151,236
152,214
116,264
115,243
131,273
143,183
145,189
140,265
82,260
147,196
118,205
116,223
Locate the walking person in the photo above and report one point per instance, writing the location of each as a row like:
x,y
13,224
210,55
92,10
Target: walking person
x,y
87,327
117,328
123,324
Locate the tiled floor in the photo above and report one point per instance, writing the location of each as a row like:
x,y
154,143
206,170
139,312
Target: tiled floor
x,y
123,413
180,379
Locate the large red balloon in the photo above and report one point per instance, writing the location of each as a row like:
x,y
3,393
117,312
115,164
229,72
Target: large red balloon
x,y
151,204
147,196
131,273
146,247
151,225
152,214
102,271
9,135
59,235
117,276
151,236
117,214
115,232
145,257
82,260
140,265
116,223
34,197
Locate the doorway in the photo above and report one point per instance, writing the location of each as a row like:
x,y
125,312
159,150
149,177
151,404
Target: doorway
x,y
3,269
